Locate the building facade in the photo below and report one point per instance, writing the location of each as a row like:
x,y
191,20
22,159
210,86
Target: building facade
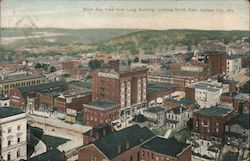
x,y
96,113
13,134
208,123
7,83
206,93
233,64
180,82
237,131
135,144
177,118
127,88
156,114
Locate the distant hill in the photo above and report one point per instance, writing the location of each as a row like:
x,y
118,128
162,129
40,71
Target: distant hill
x,y
112,40
85,36
154,40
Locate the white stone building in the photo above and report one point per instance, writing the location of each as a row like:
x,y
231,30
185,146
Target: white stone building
x,y
13,134
156,114
207,94
177,118
233,64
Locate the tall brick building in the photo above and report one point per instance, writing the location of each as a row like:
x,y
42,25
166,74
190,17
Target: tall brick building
x,y
208,123
127,88
216,60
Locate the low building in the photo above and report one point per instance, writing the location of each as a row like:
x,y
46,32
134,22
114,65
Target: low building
x,y
156,114
13,133
156,92
7,83
177,118
96,113
183,102
75,102
79,87
197,71
47,101
121,145
242,103
208,123
96,133
52,154
135,143
67,65
228,97
162,149
237,131
206,94
19,96
180,82
208,132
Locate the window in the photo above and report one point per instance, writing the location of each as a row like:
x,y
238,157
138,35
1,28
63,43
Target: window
x,y
217,130
143,153
152,156
18,140
9,143
18,127
9,130
18,153
9,156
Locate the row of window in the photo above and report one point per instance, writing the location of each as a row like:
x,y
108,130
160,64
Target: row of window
x,y
21,84
18,154
10,141
10,129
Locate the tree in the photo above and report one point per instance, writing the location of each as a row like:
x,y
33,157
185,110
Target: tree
x,y
38,66
129,62
136,59
94,64
52,69
45,66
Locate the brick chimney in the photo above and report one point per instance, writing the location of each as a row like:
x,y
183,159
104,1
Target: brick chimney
x,y
127,145
104,132
118,149
91,132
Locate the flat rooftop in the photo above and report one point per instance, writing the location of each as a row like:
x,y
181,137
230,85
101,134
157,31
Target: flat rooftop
x,y
9,111
3,98
242,96
81,84
183,101
155,109
206,86
18,78
156,86
234,56
214,111
103,105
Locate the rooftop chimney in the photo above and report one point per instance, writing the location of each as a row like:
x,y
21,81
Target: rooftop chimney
x,y
104,132
127,145
118,149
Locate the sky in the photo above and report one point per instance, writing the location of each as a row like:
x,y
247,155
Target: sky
x,y
155,14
